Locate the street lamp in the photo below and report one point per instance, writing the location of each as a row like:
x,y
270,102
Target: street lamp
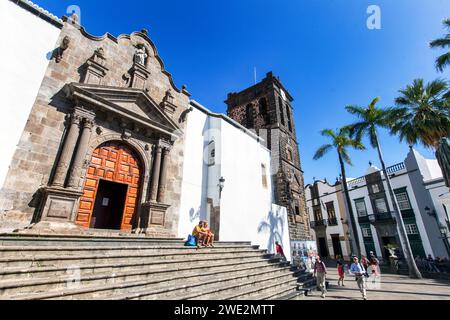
x,y
441,227
221,184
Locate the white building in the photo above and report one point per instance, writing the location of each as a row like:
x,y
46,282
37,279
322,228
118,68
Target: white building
x,y
422,197
35,31
327,213
218,148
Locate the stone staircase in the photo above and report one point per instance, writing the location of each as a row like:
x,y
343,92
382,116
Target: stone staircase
x,y
116,268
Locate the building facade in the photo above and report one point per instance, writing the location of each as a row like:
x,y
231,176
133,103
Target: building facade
x,y
109,144
328,219
266,108
421,195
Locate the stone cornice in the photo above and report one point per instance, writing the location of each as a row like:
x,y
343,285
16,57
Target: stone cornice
x,y
105,98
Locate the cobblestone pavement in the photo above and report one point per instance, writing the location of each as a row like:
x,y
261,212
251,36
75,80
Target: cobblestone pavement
x,y
391,287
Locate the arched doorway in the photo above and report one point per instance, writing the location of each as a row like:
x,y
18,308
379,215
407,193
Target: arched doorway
x,y
111,189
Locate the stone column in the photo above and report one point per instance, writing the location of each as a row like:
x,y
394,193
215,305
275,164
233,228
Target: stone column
x,y
67,151
80,153
156,173
162,182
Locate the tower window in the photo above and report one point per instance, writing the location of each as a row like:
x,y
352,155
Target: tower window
x,y
289,154
263,109
289,118
280,102
249,116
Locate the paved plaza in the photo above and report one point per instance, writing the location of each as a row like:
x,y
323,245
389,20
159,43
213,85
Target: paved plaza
x,y
392,287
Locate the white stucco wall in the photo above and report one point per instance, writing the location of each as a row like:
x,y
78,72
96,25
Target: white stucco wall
x,y
193,190
246,210
27,43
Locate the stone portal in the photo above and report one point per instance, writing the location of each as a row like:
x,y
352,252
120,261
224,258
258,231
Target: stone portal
x,y
111,205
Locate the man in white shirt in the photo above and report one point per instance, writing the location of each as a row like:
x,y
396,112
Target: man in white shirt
x,y
358,270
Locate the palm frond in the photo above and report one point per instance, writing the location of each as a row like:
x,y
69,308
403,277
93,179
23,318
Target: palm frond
x,y
328,133
443,61
345,156
322,151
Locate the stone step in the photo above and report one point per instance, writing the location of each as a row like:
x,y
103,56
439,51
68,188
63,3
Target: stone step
x,y
15,287
77,260
156,289
269,292
32,251
200,288
112,268
245,290
276,292
72,240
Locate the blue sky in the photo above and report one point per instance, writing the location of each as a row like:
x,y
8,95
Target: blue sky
x,y
321,49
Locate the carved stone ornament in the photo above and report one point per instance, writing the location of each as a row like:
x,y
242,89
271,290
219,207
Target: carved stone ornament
x,y
141,55
167,103
95,69
126,135
63,47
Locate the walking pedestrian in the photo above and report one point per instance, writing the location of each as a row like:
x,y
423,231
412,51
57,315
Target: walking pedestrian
x,y
374,264
358,270
320,271
340,269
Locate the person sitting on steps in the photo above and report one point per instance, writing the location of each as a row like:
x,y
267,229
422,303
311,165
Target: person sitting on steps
x,y
209,235
199,234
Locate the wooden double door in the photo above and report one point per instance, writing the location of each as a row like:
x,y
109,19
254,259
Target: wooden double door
x,y
112,188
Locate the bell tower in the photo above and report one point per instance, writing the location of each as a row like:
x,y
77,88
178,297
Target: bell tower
x,y
266,108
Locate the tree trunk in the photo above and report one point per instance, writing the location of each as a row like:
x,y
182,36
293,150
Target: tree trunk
x,y
404,241
351,217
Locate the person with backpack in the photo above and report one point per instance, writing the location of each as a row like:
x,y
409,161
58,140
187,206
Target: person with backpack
x,y
360,273
320,271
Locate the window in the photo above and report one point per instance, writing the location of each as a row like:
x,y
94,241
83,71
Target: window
x,y
297,210
375,188
367,232
381,206
264,175
289,154
263,109
403,201
288,113
280,102
212,153
361,209
317,213
411,229
249,116
330,210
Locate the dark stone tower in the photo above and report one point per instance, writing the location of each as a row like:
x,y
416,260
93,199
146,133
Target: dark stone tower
x,y
266,108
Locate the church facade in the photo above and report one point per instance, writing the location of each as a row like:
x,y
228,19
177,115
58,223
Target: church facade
x,y
109,145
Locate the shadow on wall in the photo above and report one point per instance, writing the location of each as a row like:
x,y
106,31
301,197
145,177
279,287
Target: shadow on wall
x,y
194,215
274,225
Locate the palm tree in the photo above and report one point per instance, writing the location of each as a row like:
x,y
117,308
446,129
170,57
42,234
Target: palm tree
x,y
423,113
370,119
443,60
340,140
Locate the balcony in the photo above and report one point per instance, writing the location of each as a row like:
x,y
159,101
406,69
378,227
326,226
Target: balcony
x,y
363,219
395,168
319,223
332,222
381,218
